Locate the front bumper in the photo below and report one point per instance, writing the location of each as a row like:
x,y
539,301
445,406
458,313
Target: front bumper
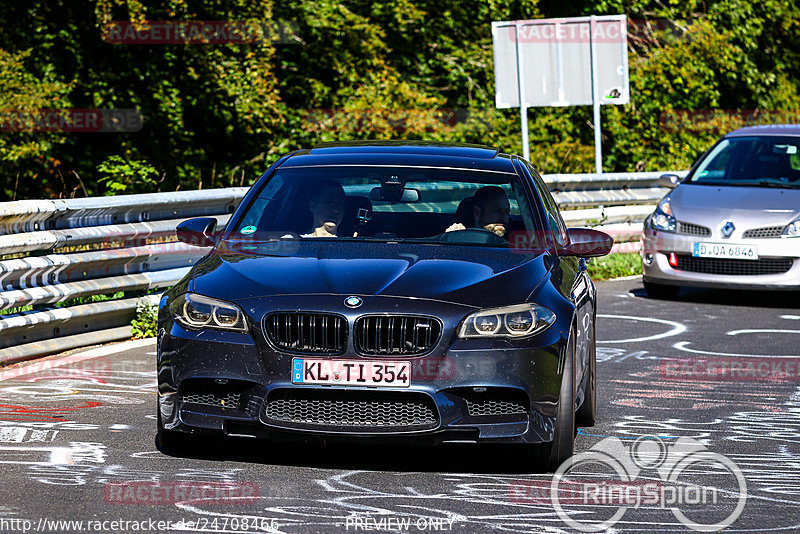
x,y
657,247
478,391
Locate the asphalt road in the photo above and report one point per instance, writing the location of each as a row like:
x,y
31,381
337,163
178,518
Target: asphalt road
x,y
711,372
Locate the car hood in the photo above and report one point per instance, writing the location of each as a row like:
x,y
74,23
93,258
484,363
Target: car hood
x,y
475,276
747,207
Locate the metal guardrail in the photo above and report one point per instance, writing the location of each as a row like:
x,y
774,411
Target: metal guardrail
x,y
608,189
124,243
127,243
37,215
616,202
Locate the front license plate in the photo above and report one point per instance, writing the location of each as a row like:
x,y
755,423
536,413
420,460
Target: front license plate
x,y
351,373
725,250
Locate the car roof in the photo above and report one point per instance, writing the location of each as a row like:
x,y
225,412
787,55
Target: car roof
x,y
404,153
767,129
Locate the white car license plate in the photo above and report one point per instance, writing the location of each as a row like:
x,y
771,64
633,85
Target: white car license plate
x,y
725,250
351,372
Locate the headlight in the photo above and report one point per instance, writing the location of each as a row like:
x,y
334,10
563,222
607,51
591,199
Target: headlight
x,y
662,219
792,229
512,321
197,312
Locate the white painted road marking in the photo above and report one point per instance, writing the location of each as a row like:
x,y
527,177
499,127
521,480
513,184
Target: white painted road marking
x,y
682,345
762,331
677,328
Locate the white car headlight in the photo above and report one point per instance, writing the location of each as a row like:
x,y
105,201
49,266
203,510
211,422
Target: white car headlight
x,y
663,219
197,312
792,229
517,321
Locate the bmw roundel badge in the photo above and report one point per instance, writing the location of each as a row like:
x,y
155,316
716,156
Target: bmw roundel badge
x,y
353,302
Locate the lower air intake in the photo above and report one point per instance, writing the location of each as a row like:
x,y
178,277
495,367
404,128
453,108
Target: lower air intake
x,y
734,267
495,402
351,411
219,399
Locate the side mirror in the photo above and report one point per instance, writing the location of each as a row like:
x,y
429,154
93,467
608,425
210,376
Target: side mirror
x,y
585,242
198,232
669,180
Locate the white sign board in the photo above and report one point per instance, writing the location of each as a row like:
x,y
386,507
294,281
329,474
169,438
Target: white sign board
x,y
556,61
561,62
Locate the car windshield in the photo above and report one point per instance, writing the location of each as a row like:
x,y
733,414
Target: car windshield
x,y
389,204
763,161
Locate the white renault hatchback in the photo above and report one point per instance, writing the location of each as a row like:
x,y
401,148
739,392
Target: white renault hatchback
x,y
734,221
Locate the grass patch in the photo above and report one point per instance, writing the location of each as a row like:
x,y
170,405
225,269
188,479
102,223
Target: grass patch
x,y
146,322
615,266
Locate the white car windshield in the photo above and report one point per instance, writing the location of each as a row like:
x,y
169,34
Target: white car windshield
x,y
760,161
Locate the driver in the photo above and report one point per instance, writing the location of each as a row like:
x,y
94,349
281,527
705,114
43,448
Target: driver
x,y
327,206
491,211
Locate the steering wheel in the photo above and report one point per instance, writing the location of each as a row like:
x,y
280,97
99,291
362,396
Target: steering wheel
x,y
472,235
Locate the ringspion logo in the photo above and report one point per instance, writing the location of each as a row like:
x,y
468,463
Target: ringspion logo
x,y
593,490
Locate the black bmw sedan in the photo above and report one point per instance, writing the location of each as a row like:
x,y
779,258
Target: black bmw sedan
x,y
411,292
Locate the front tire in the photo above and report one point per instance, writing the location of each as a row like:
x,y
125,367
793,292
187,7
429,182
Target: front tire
x,y
169,441
586,414
661,291
563,443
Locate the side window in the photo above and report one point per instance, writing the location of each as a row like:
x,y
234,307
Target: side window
x,y
716,168
554,220
271,192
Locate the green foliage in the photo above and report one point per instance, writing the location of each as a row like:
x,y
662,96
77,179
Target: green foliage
x,y
22,151
146,322
89,299
217,115
615,266
66,303
126,177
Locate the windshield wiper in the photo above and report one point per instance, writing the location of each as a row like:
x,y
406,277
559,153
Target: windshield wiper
x,y
719,182
750,183
783,185
770,183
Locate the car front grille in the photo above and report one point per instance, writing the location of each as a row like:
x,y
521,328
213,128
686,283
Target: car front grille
x,y
734,267
307,332
692,229
351,411
388,335
763,233
495,402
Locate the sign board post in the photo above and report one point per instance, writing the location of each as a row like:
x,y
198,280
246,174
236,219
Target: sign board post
x,y
561,62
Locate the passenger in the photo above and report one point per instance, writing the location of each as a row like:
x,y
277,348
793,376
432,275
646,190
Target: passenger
x,y
327,205
490,211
